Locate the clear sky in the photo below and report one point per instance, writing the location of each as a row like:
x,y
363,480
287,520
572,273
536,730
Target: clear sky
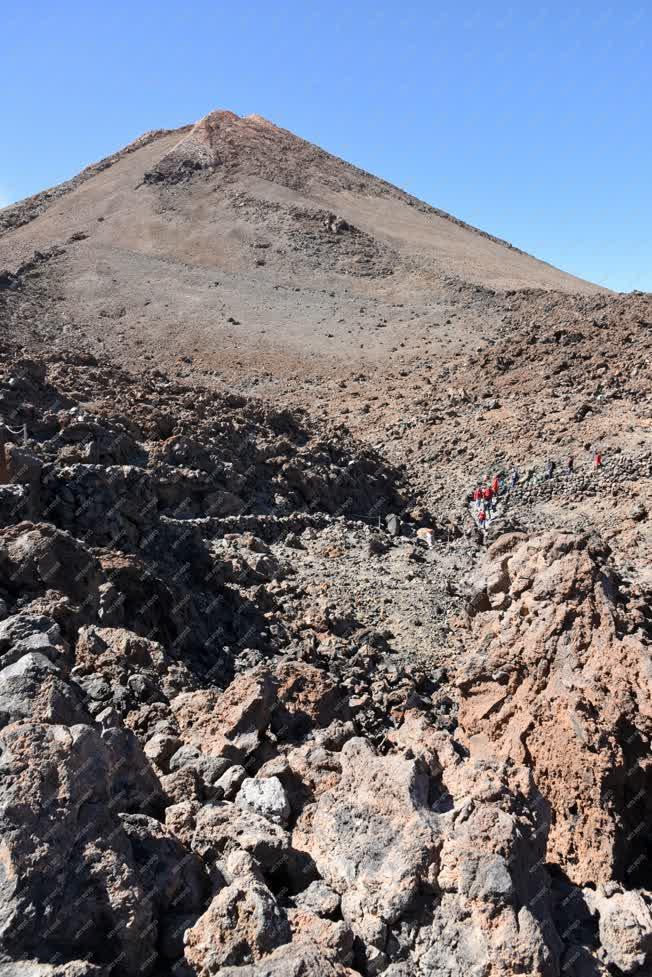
x,y
530,121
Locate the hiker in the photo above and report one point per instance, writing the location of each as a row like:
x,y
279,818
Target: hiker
x,y
487,494
495,485
569,464
597,461
550,469
482,518
477,496
513,480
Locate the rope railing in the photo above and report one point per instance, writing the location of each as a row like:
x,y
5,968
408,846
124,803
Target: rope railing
x,y
20,432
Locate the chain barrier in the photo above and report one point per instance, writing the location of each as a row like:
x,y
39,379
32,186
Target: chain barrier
x,y
20,432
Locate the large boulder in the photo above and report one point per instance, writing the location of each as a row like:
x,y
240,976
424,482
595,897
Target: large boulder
x,y
230,723
306,698
335,938
37,557
136,787
292,700
557,683
224,827
495,912
493,907
243,922
68,871
31,688
373,837
174,878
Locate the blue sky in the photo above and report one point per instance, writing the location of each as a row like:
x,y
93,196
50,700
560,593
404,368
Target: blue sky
x,y
531,122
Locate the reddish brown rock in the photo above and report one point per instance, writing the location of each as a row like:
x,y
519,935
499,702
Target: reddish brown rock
x,y
556,683
228,723
306,698
242,923
335,939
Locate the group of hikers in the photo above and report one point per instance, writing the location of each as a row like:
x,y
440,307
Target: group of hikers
x,y
570,464
485,497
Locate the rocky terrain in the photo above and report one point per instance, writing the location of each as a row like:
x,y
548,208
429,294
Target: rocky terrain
x,y
251,725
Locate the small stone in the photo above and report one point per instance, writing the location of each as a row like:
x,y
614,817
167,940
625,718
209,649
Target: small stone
x,y
231,781
266,797
319,898
108,718
160,748
186,756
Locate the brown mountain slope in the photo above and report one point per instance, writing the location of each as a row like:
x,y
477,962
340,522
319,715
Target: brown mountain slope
x,y
159,248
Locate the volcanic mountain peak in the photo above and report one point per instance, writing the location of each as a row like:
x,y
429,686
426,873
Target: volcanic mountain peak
x,y
221,137
236,221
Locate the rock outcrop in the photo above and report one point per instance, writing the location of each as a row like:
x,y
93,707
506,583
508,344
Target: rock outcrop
x,y
559,680
69,872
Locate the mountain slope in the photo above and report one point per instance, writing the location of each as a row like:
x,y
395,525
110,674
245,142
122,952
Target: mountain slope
x,y
161,246
273,698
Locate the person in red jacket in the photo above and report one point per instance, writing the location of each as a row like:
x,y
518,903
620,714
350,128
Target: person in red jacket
x,y
487,494
482,516
495,485
597,460
477,495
